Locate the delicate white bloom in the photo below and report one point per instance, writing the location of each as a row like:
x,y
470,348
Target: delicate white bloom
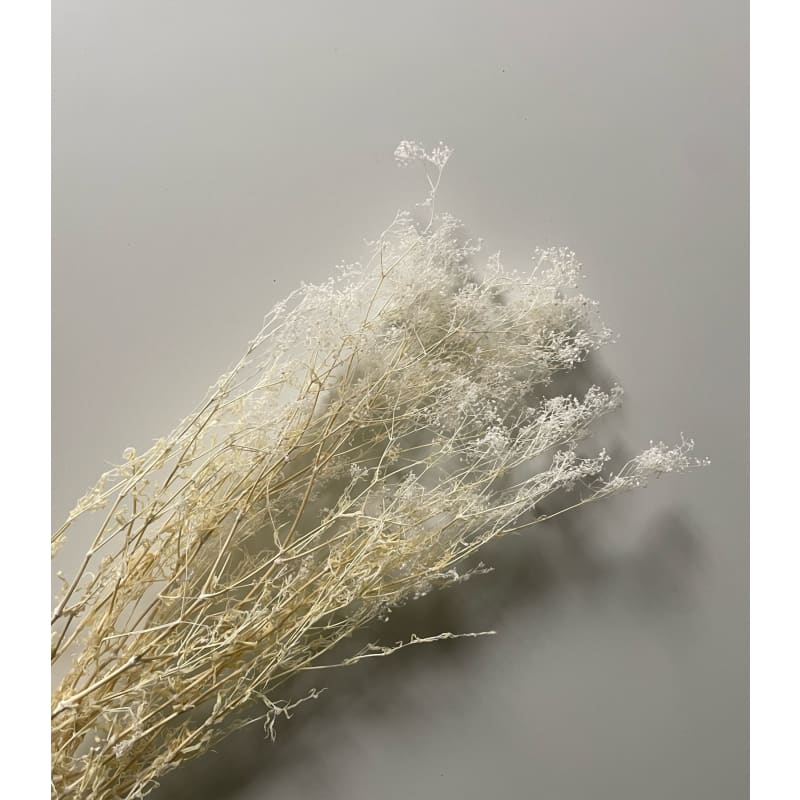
x,y
659,458
357,472
495,442
407,152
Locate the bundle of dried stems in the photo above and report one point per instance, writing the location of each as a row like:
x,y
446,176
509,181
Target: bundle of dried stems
x,y
379,429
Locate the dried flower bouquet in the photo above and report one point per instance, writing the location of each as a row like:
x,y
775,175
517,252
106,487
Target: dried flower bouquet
x,y
379,429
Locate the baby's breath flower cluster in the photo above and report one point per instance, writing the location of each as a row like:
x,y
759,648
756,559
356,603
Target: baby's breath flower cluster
x,y
380,428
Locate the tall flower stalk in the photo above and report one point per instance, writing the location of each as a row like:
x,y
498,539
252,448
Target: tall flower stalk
x,y
379,430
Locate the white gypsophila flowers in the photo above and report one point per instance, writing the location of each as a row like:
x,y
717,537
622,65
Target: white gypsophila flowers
x,y
380,428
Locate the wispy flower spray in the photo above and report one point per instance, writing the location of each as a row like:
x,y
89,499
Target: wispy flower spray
x,y
379,429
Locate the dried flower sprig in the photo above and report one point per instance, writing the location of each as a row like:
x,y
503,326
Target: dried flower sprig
x,y
379,429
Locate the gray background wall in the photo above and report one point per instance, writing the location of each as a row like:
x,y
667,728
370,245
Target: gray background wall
x,y
209,156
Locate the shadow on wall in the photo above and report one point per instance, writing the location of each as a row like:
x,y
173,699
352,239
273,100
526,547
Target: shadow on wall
x,y
533,571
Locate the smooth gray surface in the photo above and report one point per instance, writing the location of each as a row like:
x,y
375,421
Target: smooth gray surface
x,y
209,156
